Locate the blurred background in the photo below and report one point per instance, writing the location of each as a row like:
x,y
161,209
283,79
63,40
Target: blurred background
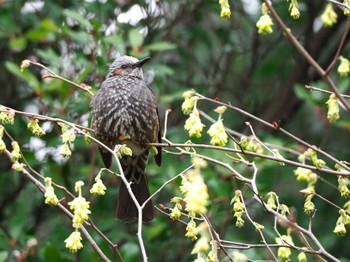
x,y
191,47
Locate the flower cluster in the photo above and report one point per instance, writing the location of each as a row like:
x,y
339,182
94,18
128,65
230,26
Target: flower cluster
x,y
344,66
176,211
319,163
81,212
294,9
343,184
251,144
271,201
50,196
333,108
202,245
68,137
73,242
98,188
191,230
217,130
264,23
343,220
16,152
33,126
346,10
194,189
225,8
2,143
238,208
6,116
329,16
122,150
194,125
284,252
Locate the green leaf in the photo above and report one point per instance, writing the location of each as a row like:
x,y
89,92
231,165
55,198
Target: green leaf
x,y
50,57
26,75
160,46
18,44
75,16
135,38
3,255
48,25
52,253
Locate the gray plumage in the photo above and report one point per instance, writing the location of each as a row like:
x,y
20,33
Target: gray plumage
x,y
125,112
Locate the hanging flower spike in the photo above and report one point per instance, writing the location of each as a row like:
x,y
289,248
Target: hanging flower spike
x,y
73,242
192,231
329,16
194,125
189,102
15,153
225,9
346,10
264,23
98,188
344,66
284,252
50,196
217,130
33,126
80,207
2,143
294,9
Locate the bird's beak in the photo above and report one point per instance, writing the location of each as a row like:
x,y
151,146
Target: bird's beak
x,y
141,62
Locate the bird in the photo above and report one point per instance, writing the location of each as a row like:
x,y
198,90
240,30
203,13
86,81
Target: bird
x,y
125,111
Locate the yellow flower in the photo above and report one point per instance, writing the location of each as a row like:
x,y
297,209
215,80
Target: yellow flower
x,y
329,16
65,151
271,202
192,231
225,8
346,10
81,210
201,246
17,166
302,174
264,24
73,242
218,134
309,206
302,257
175,213
98,188
294,9
6,116
340,229
333,108
344,66
194,125
284,252
343,186
15,153
197,197
50,196
33,126
295,12
189,102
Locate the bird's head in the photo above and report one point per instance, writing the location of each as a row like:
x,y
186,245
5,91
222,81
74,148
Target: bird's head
x,y
127,66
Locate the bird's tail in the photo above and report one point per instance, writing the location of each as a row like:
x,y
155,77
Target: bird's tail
x,y
134,171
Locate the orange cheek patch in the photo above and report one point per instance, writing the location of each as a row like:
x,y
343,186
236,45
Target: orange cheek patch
x,y
118,71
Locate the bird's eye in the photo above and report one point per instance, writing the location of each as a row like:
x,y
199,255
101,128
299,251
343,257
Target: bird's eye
x,y
124,66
